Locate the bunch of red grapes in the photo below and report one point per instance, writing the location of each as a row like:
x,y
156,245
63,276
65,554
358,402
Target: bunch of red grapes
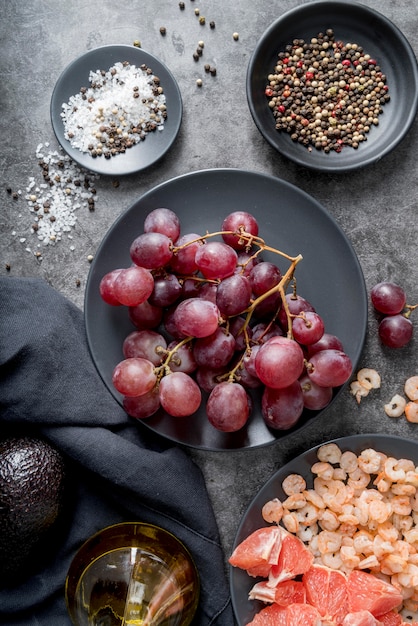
x,y
395,327
211,315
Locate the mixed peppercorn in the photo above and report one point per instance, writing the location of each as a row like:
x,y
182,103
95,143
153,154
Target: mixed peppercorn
x,y
326,93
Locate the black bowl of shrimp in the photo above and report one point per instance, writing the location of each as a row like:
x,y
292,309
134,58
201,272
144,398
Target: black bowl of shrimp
x,y
349,505
306,77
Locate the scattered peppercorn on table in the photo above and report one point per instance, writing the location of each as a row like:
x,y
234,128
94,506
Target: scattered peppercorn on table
x,y
207,47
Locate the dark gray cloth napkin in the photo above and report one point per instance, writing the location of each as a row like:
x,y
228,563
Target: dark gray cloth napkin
x,y
119,470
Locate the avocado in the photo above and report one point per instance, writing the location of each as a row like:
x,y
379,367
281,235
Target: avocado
x,y
32,494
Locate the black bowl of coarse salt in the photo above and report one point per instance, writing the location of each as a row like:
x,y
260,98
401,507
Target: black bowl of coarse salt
x,y
333,86
116,110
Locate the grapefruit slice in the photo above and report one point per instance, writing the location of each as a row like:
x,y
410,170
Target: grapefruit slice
x,y
258,552
326,589
361,618
273,615
286,592
392,618
294,559
367,592
293,615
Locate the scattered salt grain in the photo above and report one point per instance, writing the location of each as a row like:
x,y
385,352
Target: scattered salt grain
x,y
54,202
118,109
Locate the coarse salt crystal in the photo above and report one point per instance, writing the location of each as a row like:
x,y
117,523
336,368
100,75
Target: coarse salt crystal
x,y
115,112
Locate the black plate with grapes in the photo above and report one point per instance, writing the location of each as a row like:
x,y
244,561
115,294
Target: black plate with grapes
x,y
328,276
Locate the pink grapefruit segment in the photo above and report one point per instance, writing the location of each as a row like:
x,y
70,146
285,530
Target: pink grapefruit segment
x,y
286,592
367,592
294,559
292,615
258,552
326,589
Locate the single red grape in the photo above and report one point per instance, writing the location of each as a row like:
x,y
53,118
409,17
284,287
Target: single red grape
x,y
239,221
182,359
282,408
183,260
216,350
279,362
106,288
296,305
134,376
216,260
315,397
228,407
196,317
388,298
143,406
167,290
163,221
133,285
329,368
308,328
145,315
395,331
146,344
151,250
327,342
233,295
179,394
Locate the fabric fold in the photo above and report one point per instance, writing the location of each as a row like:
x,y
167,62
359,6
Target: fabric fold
x,y
119,471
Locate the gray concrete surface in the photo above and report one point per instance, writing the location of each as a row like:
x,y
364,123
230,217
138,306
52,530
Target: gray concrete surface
x,y
376,207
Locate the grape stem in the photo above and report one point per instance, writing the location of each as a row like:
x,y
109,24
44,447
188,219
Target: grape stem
x,y
164,368
281,288
409,308
250,239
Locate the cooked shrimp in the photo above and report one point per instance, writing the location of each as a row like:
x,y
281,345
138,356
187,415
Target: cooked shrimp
x,y
393,471
396,406
328,520
358,479
363,542
401,505
383,484
329,541
369,378
370,461
403,489
349,461
349,557
329,453
290,522
409,577
411,412
332,560
380,511
294,502
388,531
402,523
411,477
411,535
339,474
272,511
308,515
323,469
370,562
411,388
294,483
392,564
307,533
314,498
358,390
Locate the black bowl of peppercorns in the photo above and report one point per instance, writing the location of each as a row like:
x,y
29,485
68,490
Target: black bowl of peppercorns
x,y
333,86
